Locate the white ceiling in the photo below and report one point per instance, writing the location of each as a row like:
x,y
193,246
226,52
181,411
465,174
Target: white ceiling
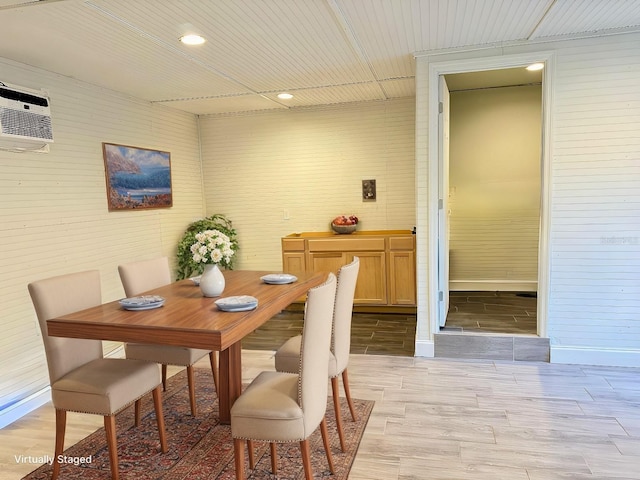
x,y
322,51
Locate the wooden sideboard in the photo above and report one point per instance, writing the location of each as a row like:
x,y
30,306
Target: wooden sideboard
x,y
387,276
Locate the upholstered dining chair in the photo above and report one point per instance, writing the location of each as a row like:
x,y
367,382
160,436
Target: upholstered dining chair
x,y
81,379
280,407
288,355
140,277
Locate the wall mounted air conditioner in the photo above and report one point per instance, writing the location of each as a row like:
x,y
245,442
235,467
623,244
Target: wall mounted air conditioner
x,y
25,119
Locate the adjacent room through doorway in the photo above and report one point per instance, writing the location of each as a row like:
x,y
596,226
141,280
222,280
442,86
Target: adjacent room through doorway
x,y
493,205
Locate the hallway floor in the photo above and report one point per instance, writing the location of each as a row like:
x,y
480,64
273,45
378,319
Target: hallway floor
x,y
492,312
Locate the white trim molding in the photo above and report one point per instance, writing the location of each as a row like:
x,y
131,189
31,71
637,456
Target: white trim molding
x,y
425,348
24,406
590,356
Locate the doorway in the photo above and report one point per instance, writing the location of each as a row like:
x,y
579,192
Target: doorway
x,y
493,185
431,277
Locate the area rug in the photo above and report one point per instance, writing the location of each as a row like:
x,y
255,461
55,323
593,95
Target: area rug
x,y
200,447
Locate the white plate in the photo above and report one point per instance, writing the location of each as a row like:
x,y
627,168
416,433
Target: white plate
x,y
244,308
196,280
278,278
144,307
238,303
142,301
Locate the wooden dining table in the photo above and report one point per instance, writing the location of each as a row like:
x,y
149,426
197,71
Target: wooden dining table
x,y
189,319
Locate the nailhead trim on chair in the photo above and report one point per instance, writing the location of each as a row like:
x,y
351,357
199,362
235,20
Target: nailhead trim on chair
x,y
302,347
333,326
109,414
172,364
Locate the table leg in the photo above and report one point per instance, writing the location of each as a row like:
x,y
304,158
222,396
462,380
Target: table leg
x,y
230,378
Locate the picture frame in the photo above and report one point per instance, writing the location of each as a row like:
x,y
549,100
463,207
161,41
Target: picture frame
x,y
137,178
368,190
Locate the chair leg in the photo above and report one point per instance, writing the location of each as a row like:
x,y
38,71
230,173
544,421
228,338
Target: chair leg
x,y
306,459
327,446
157,404
214,368
137,413
192,389
238,457
164,377
110,429
252,458
61,423
347,392
335,388
274,458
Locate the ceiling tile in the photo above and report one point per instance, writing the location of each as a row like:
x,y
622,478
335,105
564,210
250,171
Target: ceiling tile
x,y
399,88
231,104
323,51
579,16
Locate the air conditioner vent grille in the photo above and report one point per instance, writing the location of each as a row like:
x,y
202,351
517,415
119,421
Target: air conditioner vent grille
x,y
25,124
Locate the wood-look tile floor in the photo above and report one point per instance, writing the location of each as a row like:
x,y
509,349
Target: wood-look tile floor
x,y
443,419
492,312
372,334
394,334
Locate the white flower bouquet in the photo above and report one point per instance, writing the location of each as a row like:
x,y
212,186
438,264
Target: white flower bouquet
x,y
212,247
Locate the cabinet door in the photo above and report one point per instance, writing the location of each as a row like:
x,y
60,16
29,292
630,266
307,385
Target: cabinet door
x,y
402,278
293,262
326,261
371,288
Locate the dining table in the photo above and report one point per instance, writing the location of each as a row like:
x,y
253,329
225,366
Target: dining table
x,y
189,319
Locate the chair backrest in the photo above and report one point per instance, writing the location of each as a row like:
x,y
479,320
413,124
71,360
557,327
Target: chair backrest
x,y
341,338
314,352
56,296
145,275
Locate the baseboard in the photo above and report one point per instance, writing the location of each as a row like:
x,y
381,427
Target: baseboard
x,y
592,356
425,348
493,286
24,406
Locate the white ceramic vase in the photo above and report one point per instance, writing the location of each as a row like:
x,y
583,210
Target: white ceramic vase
x,y
212,281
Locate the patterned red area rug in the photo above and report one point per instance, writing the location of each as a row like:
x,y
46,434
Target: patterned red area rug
x,y
200,447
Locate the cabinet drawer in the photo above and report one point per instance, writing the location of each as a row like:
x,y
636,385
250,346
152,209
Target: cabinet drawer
x,y
347,244
293,244
400,243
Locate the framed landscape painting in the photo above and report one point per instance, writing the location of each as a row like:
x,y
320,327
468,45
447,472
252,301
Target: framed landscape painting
x,y
137,177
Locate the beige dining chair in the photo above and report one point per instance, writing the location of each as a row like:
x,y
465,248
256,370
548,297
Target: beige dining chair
x,y
280,407
81,379
138,278
287,357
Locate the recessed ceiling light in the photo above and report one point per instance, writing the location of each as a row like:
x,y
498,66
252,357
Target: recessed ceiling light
x,y
535,66
192,39
285,96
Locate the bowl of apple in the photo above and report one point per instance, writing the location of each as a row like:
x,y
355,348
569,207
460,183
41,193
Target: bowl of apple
x,y
344,224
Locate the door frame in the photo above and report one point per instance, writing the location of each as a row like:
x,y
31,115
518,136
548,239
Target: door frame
x,y
435,169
